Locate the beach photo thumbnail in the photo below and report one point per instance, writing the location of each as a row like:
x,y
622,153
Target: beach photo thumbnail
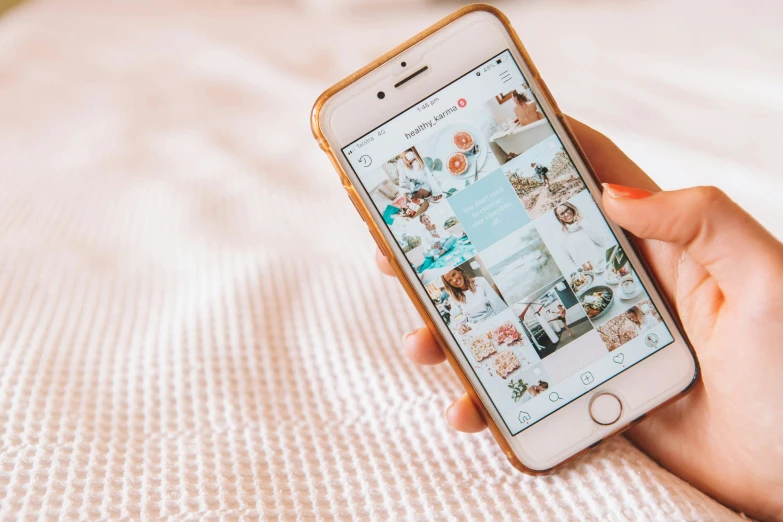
x,y
520,263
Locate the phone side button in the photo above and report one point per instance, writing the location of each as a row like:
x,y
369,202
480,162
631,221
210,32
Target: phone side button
x,y
542,84
379,242
355,205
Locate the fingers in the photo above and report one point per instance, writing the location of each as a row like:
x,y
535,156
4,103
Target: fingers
x,y
420,347
611,165
383,263
715,231
463,416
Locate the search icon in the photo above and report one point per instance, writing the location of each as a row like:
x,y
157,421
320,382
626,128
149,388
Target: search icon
x,y
555,397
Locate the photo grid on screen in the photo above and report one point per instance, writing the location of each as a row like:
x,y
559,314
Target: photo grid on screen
x,y
511,247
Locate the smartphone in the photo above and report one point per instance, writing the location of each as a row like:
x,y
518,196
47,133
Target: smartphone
x,y
469,179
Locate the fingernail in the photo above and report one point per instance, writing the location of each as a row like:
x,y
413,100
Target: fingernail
x,y
405,337
623,192
448,410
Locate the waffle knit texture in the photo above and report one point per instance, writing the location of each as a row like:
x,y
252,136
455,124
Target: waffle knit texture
x,y
191,322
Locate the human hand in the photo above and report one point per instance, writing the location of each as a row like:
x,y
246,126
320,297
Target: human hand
x,y
719,267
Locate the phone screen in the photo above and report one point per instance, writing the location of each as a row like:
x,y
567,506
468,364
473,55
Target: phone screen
x,y
497,223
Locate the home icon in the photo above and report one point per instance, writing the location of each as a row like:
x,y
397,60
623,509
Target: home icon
x,y
524,416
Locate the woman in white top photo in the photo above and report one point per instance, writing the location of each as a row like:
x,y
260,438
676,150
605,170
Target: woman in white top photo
x,y
415,178
474,296
582,239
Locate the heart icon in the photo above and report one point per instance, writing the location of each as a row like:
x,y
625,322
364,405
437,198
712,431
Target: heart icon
x,y
618,358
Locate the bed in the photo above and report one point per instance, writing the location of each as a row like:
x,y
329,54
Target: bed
x,y
191,323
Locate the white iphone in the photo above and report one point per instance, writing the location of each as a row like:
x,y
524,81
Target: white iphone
x,y
469,179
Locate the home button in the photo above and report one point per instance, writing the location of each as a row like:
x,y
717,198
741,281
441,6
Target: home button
x,y
605,409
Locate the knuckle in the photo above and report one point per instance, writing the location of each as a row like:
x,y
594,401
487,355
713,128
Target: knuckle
x,y
710,196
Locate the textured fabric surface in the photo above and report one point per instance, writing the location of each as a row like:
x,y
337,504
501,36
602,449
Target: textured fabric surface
x,y
191,323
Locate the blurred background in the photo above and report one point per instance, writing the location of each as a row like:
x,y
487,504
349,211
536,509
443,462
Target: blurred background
x,y
191,323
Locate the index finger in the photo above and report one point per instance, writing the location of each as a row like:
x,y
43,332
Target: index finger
x,y
610,164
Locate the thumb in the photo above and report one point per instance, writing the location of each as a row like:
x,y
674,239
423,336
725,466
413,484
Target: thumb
x,y
734,248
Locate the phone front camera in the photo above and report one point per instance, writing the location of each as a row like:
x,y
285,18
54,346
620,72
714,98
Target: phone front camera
x,y
381,95
403,64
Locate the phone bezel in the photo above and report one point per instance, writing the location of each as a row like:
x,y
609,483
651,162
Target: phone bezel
x,y
351,109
